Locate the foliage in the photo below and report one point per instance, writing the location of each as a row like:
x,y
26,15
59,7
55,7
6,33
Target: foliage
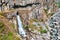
x,y
42,30
12,25
47,27
8,36
35,20
4,35
32,27
58,4
39,24
1,14
1,26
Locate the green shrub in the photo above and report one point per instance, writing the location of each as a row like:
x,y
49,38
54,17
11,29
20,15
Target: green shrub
x,y
47,27
1,27
10,34
1,14
35,20
12,25
58,4
44,31
1,24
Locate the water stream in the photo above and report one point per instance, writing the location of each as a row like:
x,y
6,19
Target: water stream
x,y
20,27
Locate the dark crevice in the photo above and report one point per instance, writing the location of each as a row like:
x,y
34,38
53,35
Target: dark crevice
x,y
24,6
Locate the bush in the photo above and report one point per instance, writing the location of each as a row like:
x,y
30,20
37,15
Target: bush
x,y
47,27
43,31
7,36
1,27
35,20
58,4
10,34
1,14
1,24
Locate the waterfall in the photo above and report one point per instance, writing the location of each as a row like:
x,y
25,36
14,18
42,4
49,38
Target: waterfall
x,y
20,27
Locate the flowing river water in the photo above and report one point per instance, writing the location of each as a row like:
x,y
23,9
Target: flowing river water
x,y
20,26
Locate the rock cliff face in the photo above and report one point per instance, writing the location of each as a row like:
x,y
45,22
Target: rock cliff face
x,y
33,16
21,2
36,10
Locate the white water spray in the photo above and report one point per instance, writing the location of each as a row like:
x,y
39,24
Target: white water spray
x,y
20,27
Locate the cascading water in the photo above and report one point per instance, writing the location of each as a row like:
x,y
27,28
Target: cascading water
x,y
20,26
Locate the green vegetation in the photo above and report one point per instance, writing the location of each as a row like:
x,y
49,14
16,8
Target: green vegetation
x,y
5,34
41,30
39,24
32,27
1,14
58,4
1,26
47,27
8,36
12,25
35,20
